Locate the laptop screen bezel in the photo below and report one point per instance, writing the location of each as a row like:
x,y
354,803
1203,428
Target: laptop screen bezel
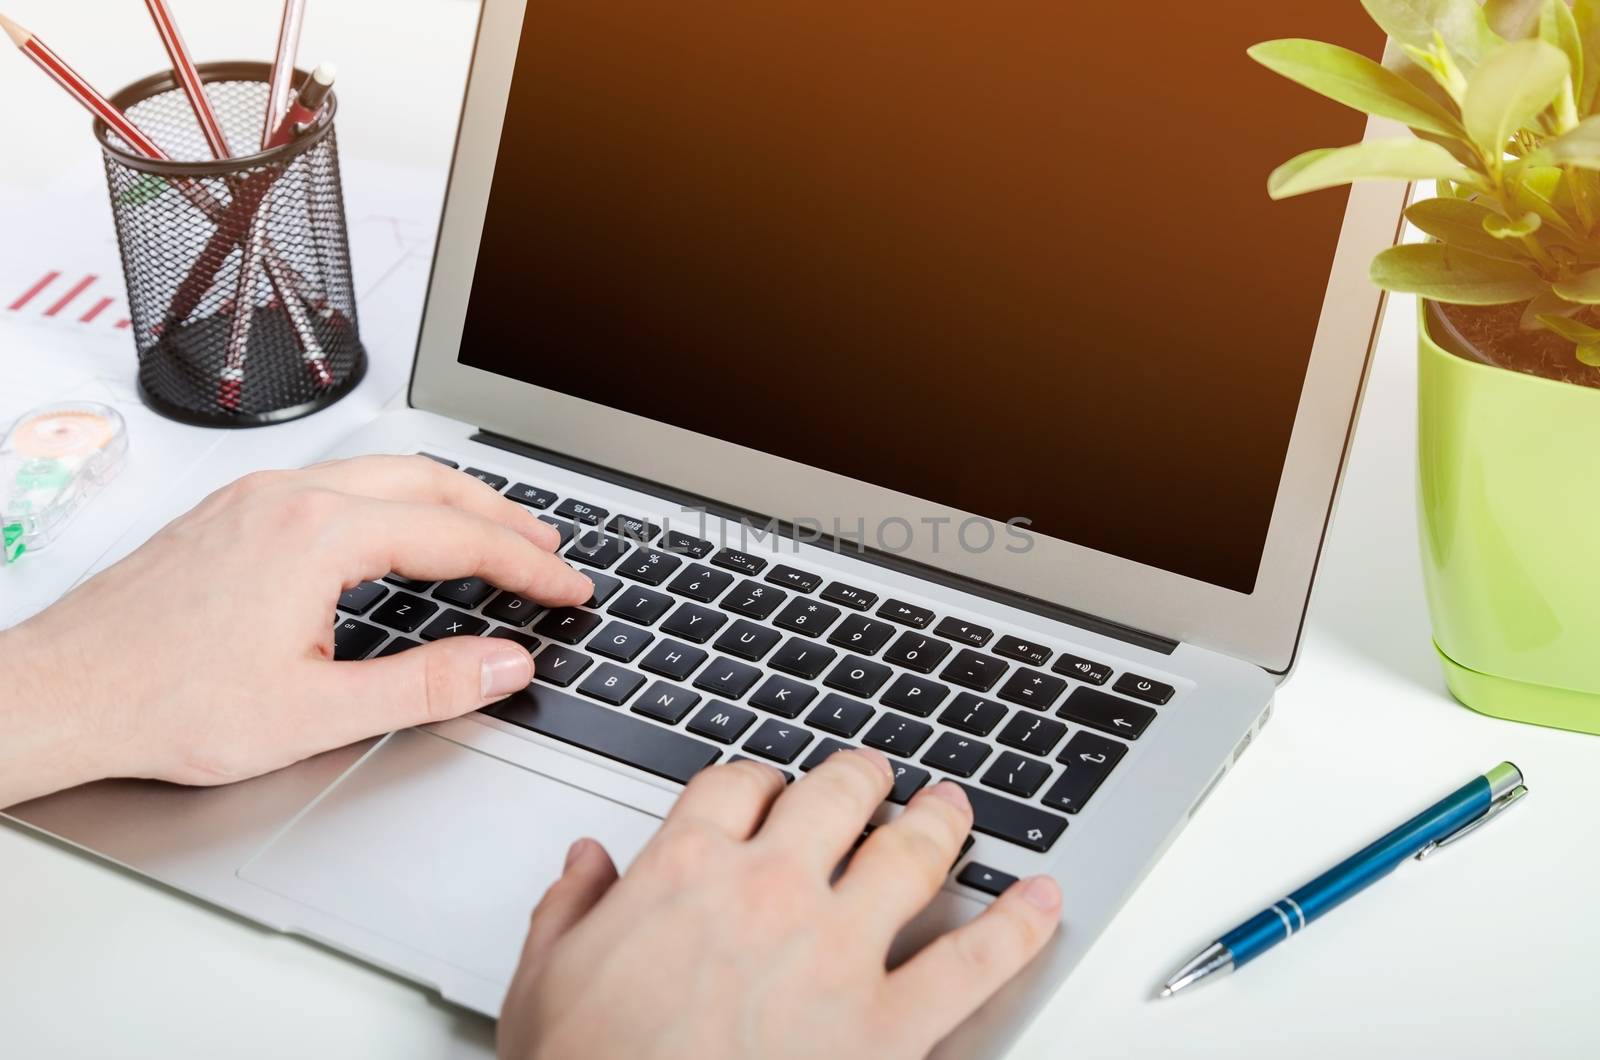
x,y
1262,626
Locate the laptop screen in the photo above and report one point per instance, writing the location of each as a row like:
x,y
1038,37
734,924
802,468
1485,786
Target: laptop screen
x,y
1016,258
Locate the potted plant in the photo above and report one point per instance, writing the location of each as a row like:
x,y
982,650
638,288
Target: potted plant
x,y
1503,103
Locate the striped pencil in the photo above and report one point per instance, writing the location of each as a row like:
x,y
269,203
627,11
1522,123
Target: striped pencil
x,y
188,77
283,67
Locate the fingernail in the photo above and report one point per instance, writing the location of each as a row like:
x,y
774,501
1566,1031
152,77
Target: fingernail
x,y
505,672
878,758
951,792
574,852
1042,893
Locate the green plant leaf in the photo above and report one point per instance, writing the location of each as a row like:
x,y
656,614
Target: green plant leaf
x,y
1513,19
1449,274
1511,87
1352,79
1579,146
1547,304
1584,287
1390,159
1586,14
1589,355
1557,27
1511,228
1460,23
1459,223
1570,329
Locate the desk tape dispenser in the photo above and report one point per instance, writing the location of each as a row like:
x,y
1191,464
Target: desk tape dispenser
x,y
52,463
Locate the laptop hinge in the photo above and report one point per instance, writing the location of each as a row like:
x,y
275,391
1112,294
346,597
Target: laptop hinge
x,y
842,546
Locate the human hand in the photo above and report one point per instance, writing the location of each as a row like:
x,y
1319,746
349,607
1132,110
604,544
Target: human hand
x,y
207,655
727,939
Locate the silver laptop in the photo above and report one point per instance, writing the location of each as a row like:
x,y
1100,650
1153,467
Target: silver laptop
x,y
932,377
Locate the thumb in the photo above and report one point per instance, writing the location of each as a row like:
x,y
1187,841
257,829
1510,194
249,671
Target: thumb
x,y
587,876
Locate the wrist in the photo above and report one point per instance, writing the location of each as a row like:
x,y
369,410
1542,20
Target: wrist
x,y
48,739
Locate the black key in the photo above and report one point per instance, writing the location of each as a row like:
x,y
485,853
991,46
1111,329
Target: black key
x,y
722,722
1022,651
1006,819
453,623
801,581
404,612
824,750
965,632
974,671
580,511
568,625
849,596
956,754
1143,688
897,734
641,605
1108,713
973,714
564,528
1031,733
560,666
858,676
917,652
1017,774
728,678
908,780
612,684
753,600
604,586
983,878
396,646
698,624
1033,689
532,496
359,598
862,634
781,741
803,615
665,702
531,643
742,562
596,549
905,614
779,695
511,609
674,660
839,715
440,460
915,694
620,641
641,531
788,777
802,658
416,585
463,592
355,640
748,640
1088,759
699,582
682,544
648,566
1095,673
488,478
606,732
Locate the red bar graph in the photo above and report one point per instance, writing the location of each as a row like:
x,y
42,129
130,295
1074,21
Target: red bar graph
x,y
53,300
33,292
71,295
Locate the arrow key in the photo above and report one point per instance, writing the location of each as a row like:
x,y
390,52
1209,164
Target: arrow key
x,y
1108,713
983,878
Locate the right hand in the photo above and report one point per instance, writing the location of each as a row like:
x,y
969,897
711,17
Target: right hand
x,y
727,939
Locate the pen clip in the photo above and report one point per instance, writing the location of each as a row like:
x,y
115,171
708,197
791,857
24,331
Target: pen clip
x,y
1497,807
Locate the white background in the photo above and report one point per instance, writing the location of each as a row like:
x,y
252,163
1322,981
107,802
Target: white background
x,y
1486,950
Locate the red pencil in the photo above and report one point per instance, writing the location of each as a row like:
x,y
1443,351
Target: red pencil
x,y
188,77
283,67
305,107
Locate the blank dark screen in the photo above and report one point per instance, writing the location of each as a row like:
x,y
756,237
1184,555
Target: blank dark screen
x,y
1014,257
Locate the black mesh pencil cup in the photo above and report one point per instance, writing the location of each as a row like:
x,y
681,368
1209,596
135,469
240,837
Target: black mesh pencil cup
x,y
239,288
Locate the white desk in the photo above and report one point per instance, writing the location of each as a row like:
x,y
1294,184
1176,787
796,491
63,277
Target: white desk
x,y
1488,948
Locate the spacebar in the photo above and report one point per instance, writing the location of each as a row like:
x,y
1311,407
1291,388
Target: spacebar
x,y
604,731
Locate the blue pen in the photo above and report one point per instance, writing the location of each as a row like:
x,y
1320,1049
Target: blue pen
x,y
1481,799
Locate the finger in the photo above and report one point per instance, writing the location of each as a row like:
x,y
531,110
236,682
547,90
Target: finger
x,y
587,876
903,864
733,797
423,481
822,814
431,542
340,702
960,970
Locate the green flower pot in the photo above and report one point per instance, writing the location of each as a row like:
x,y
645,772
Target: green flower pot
x,y
1509,492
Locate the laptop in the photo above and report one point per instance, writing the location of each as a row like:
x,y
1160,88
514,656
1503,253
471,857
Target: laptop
x,y
936,378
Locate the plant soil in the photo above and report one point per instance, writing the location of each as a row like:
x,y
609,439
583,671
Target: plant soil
x,y
1493,335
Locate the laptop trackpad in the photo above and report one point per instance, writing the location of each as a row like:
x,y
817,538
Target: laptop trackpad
x,y
442,848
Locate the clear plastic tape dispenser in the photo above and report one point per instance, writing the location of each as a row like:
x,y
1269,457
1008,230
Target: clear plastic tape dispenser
x,y
53,462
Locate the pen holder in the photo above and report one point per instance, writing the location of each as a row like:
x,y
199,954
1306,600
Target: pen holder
x,y
238,270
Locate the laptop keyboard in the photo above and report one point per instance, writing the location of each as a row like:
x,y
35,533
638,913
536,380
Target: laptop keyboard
x,y
689,653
